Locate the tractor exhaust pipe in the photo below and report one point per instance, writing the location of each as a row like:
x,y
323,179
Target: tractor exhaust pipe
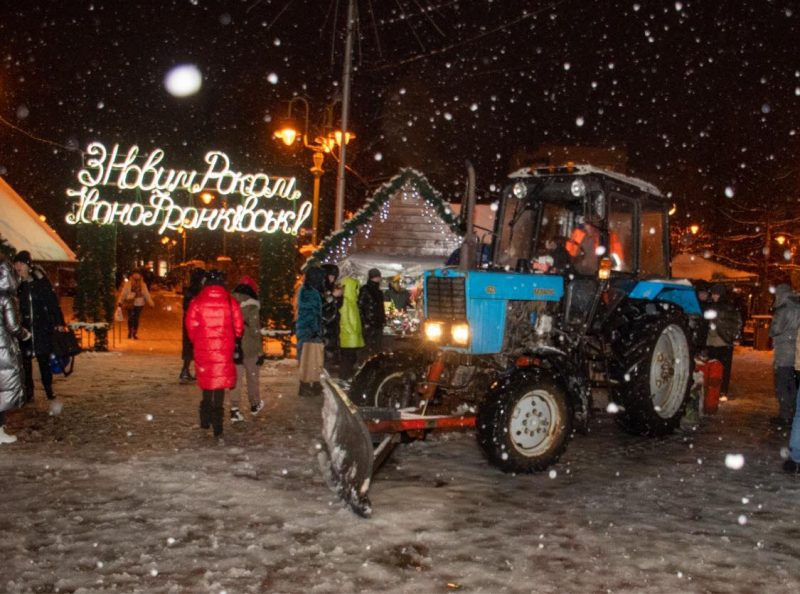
x,y
467,256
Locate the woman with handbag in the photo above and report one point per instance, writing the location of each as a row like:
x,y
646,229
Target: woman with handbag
x,y
308,331
41,317
12,389
133,298
213,323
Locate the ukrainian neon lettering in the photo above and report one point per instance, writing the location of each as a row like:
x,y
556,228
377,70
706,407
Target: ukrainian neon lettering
x,y
133,170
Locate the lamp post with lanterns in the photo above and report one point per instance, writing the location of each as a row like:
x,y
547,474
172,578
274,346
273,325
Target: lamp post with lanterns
x,y
325,139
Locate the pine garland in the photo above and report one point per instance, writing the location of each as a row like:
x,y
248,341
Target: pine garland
x,y
277,268
406,176
95,276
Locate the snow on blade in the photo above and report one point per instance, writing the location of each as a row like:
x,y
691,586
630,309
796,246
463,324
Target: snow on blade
x,y
346,456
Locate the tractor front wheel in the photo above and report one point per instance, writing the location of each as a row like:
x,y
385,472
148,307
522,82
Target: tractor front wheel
x,y
527,427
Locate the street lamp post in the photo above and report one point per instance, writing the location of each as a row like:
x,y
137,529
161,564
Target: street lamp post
x,y
324,142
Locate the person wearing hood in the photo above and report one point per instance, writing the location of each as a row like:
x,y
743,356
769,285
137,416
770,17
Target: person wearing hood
x,y
351,340
373,315
12,386
247,371
783,330
41,317
308,326
724,326
213,323
192,290
331,302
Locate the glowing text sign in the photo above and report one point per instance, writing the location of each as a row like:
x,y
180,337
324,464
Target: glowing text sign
x,y
114,168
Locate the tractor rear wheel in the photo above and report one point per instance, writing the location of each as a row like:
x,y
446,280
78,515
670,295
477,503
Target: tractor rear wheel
x,y
527,427
658,363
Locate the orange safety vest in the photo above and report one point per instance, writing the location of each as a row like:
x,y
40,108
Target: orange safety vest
x,y
573,244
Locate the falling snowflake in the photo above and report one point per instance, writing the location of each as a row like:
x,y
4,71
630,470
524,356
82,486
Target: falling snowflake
x,y
183,80
579,121
734,461
272,78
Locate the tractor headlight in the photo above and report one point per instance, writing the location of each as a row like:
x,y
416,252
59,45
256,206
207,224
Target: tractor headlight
x,y
520,190
460,333
434,331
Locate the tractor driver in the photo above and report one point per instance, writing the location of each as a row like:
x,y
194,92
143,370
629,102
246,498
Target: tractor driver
x,y
555,260
584,246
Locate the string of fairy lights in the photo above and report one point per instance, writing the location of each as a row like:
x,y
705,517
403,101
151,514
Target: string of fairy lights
x,y
408,185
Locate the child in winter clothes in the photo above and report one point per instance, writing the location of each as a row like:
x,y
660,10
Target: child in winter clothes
x,y
246,294
213,323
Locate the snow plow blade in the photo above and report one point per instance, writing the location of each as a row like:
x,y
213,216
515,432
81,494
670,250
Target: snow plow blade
x,y
346,456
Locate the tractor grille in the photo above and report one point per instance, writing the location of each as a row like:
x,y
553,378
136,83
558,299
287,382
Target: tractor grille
x,y
446,298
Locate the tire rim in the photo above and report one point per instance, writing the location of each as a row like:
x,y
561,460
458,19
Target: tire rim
x,y
669,371
534,422
391,391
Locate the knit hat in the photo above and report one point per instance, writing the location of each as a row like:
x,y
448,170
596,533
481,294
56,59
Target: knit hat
x,y
25,257
247,280
215,277
718,290
373,273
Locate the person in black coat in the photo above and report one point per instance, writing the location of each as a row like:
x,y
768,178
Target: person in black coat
x,y
41,316
373,316
724,328
331,303
192,290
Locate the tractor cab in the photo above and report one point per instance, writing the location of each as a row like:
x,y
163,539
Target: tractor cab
x,y
582,223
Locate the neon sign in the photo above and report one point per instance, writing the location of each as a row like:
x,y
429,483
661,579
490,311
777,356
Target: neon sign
x,y
114,168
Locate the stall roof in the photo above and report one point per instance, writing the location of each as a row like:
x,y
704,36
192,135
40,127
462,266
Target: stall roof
x,y
699,268
22,228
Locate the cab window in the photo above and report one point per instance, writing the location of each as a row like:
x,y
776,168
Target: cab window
x,y
620,246
653,261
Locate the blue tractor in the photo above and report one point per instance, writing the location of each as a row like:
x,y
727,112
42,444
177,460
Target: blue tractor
x,y
575,296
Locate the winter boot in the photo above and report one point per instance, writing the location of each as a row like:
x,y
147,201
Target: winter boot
x,y
316,389
185,376
205,415
55,407
5,437
257,408
305,389
236,416
789,466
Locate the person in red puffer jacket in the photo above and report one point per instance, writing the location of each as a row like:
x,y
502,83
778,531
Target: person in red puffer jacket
x,y
213,323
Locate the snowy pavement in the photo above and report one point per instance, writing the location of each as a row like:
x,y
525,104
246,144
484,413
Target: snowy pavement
x,y
123,492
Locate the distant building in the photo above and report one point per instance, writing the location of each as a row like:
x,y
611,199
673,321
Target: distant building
x,y
613,158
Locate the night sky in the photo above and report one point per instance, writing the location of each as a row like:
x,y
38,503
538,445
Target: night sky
x,y
703,95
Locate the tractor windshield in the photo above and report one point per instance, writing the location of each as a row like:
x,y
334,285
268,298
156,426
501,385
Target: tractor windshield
x,y
537,218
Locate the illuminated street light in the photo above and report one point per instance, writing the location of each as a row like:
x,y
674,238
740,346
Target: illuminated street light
x,y
289,133
694,229
781,239
207,198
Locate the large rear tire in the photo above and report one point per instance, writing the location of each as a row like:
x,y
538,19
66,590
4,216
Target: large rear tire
x,y
526,426
656,364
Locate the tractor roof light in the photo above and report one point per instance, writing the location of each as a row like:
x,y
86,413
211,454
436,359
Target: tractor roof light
x,y
578,188
520,190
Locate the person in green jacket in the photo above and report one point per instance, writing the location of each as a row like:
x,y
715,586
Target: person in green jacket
x,y
351,338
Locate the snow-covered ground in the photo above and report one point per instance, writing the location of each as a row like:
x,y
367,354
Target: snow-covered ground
x,y
123,492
